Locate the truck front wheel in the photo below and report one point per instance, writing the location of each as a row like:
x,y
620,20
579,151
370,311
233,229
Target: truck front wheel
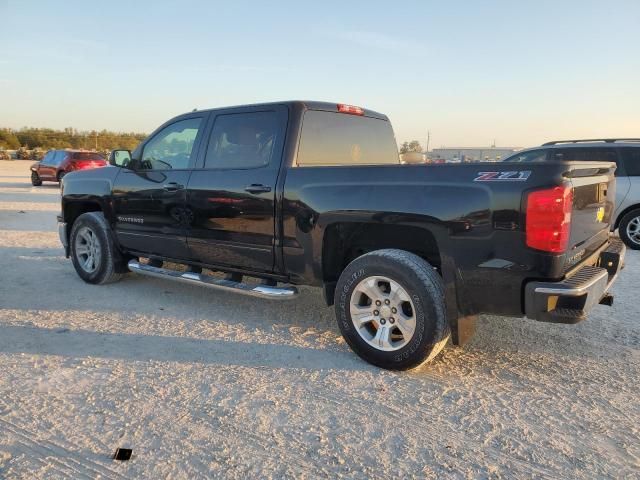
x,y
390,309
93,252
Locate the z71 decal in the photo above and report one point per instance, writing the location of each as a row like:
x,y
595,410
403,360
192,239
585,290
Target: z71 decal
x,y
519,176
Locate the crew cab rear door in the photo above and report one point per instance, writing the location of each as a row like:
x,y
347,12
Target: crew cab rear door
x,y
231,193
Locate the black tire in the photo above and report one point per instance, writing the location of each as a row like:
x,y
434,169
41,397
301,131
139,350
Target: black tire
x,y
110,263
36,181
426,291
626,224
61,176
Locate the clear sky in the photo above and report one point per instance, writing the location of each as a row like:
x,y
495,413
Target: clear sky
x,y
519,72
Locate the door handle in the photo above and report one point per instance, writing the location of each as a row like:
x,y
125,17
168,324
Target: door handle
x,y
172,187
257,188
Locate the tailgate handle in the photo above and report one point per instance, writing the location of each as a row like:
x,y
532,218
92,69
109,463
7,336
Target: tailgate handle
x,y
257,188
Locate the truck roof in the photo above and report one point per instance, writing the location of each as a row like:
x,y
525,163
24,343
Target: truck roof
x,y
302,104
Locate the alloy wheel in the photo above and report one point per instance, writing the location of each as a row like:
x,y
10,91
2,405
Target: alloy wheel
x,y
382,313
87,249
633,230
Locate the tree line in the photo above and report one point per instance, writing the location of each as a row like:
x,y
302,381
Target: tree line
x,y
412,146
48,138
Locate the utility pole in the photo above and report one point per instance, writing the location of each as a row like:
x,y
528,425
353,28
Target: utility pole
x,y
96,140
428,140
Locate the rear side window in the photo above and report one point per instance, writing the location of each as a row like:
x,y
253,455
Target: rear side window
x,y
242,140
87,156
330,138
631,159
528,157
586,155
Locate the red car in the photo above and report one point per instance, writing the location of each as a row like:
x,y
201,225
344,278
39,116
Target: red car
x,y
57,163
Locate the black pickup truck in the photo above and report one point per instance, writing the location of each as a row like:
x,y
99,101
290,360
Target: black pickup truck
x,y
313,193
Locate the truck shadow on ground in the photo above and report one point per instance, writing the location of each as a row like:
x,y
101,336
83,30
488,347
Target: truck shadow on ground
x,y
132,347
183,308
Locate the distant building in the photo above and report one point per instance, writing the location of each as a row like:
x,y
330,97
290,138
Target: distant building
x,y
468,154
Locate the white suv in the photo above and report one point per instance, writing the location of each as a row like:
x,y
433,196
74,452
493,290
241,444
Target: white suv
x,y
625,152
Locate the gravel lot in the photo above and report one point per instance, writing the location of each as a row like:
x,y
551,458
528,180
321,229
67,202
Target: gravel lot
x,y
205,384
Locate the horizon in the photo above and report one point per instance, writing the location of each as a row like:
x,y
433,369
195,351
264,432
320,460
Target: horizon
x,y
517,75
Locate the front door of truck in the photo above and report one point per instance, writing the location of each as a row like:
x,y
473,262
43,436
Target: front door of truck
x,y
231,195
150,196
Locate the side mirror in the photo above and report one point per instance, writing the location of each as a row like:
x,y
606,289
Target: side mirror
x,y
120,158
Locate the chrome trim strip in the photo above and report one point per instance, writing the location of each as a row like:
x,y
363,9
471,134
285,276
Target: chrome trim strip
x,y
262,291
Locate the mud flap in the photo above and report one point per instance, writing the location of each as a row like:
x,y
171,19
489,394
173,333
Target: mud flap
x,y
463,329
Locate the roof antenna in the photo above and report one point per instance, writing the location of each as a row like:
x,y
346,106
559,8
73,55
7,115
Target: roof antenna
x,y
194,110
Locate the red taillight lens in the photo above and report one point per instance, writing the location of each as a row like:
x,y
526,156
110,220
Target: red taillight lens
x,y
549,219
84,164
350,109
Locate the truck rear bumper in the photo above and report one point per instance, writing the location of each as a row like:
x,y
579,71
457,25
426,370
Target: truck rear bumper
x,y
570,300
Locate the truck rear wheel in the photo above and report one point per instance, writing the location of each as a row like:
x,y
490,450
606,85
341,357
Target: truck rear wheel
x,y
390,309
630,229
93,253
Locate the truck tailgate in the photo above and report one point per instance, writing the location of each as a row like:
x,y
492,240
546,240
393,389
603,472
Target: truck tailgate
x,y
593,205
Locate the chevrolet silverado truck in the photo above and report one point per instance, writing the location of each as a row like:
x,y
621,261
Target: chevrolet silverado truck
x,y
258,199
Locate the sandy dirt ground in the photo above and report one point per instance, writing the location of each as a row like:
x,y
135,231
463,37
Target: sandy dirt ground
x,y
202,384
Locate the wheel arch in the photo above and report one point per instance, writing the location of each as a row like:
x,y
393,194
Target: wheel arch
x,y
345,241
72,210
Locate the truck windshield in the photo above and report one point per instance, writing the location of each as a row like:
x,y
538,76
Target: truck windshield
x,y
330,138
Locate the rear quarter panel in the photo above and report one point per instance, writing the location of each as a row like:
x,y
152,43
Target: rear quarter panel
x,y
478,225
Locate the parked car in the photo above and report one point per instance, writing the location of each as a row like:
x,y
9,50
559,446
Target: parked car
x,y
624,152
57,163
312,193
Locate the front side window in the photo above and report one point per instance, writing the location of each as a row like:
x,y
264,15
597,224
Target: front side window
x,y
242,140
330,138
171,148
631,158
48,158
58,158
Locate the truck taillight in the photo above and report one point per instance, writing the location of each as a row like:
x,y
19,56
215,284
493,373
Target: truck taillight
x,y
548,223
350,109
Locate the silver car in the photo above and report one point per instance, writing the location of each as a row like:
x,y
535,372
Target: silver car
x,y
625,152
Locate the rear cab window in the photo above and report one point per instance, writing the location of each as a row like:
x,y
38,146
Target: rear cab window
x,y
334,139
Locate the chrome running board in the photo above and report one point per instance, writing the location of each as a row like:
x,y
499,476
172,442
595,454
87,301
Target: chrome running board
x,y
263,291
